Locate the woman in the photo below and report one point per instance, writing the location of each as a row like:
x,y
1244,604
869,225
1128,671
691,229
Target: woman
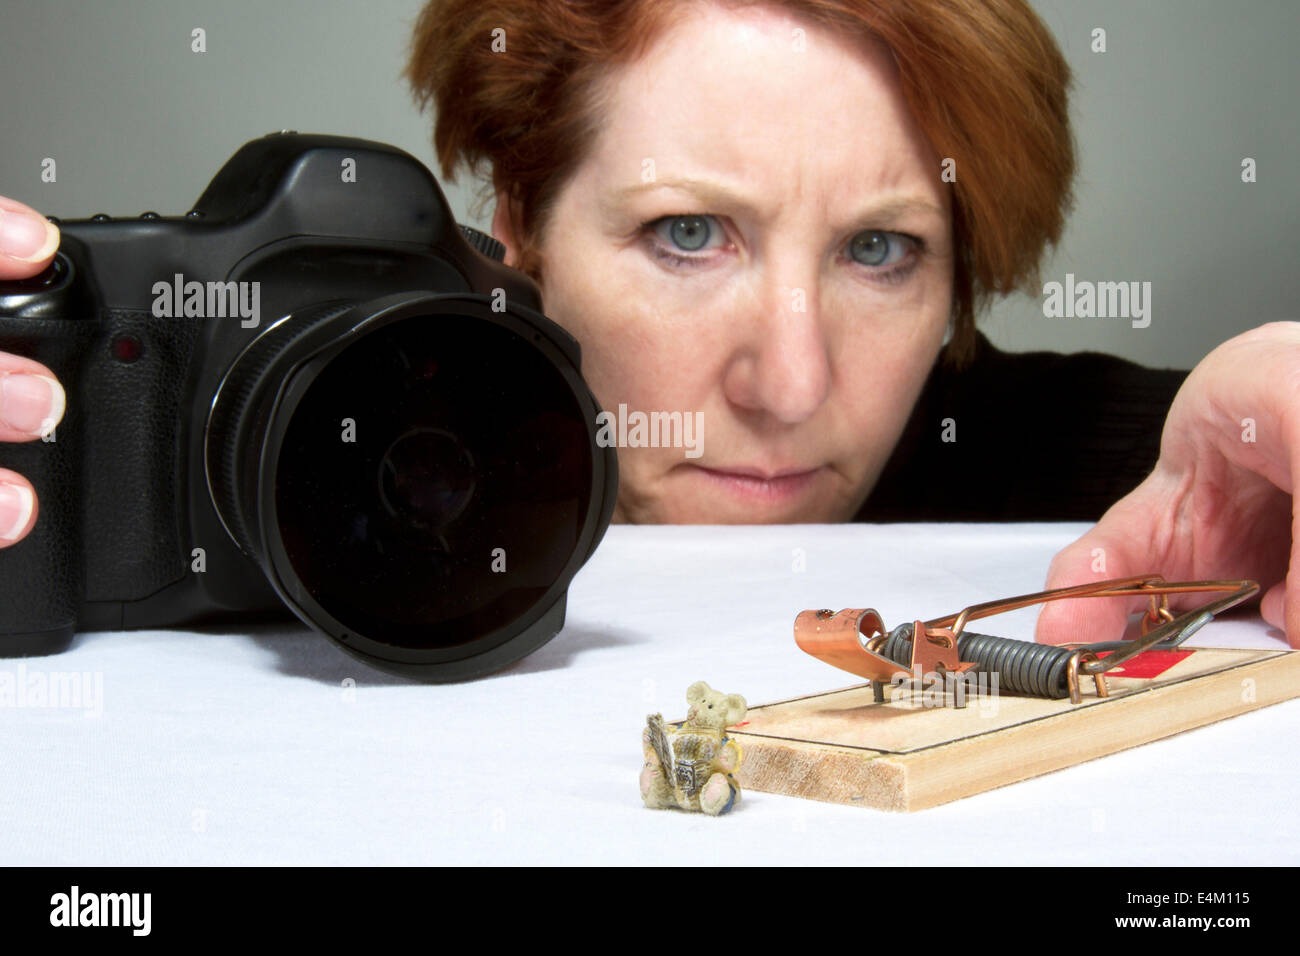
x,y
774,215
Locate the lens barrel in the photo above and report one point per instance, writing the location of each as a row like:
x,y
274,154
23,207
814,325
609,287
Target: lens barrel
x,y
417,475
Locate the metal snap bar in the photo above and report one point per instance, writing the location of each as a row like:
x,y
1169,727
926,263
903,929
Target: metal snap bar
x,y
856,640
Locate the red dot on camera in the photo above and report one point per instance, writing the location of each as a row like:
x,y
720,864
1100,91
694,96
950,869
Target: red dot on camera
x,y
127,348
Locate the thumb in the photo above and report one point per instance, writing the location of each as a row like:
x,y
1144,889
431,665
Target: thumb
x,y
1273,606
1120,545
28,240
1281,604
1289,612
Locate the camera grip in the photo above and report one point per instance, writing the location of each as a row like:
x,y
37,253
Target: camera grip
x,y
42,577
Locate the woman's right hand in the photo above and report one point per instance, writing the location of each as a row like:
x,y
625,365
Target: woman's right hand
x,y
31,399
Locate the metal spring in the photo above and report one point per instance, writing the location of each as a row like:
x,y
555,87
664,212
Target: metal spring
x,y
1022,667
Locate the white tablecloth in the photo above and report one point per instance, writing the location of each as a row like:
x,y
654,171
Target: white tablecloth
x,y
252,747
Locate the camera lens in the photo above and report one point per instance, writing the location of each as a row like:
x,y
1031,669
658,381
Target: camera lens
x,y
427,482
418,458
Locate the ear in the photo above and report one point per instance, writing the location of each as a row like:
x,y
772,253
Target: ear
x,y
696,692
735,709
504,221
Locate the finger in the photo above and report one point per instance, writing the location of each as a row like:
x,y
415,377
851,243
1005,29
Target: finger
x,y
1124,543
1272,606
18,507
1280,606
1087,620
28,240
32,401
1291,602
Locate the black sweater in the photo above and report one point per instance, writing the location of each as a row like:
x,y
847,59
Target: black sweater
x,y
1039,436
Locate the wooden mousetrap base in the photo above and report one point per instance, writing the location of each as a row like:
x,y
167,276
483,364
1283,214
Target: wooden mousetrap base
x,y
843,747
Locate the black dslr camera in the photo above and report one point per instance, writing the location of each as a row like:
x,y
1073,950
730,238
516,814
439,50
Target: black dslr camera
x,y
312,391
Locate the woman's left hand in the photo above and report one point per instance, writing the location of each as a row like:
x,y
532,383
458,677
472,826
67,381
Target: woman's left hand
x,y
1217,505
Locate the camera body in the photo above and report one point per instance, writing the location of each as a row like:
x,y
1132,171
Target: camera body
x,y
180,342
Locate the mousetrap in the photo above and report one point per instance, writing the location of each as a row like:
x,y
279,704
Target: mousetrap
x,y
958,713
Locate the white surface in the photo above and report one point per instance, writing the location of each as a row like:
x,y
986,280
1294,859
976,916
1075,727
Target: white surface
x,y
221,748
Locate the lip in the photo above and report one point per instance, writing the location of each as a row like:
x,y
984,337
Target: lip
x,y
760,473
759,485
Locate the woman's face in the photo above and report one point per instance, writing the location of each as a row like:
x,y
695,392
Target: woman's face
x,y
759,235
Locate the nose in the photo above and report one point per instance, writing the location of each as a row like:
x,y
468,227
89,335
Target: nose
x,y
781,366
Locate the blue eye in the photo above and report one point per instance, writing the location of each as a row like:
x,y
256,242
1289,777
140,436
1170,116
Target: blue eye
x,y
685,242
689,233
876,248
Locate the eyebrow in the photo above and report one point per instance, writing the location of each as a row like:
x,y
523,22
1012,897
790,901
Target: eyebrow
x,y
892,206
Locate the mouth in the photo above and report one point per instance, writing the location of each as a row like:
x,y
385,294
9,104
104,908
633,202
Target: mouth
x,y
759,485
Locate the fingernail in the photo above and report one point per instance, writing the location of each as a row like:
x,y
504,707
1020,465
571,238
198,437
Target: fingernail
x,y
16,503
31,403
25,237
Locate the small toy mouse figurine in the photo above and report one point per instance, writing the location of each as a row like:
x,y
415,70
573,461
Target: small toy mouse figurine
x,y
692,764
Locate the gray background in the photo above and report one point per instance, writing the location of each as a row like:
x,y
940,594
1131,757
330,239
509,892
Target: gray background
x,y
1186,89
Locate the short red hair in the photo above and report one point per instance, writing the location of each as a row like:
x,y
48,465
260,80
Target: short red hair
x,y
984,79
